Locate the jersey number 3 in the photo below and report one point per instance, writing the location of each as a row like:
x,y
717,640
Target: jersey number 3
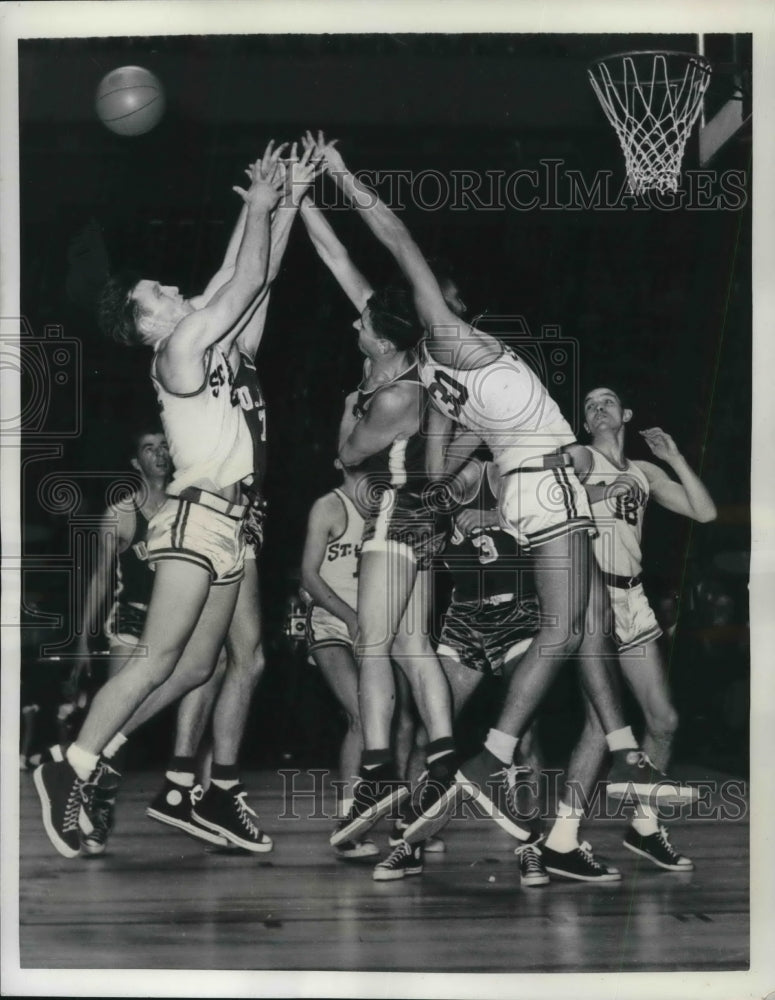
x,y
448,394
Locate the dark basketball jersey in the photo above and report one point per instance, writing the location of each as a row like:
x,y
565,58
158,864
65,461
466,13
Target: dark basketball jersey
x,y
246,392
135,578
488,563
401,465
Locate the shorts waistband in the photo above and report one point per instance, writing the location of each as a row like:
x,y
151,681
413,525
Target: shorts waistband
x,y
622,582
236,511
487,602
543,462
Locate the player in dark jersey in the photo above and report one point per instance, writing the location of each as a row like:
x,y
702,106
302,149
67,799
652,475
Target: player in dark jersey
x,y
382,435
196,540
476,381
490,622
119,591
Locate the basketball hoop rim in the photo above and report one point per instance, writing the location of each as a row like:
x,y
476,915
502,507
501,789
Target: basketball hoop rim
x,y
702,61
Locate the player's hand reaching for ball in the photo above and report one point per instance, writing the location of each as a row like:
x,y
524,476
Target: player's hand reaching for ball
x,y
300,171
326,152
660,443
266,179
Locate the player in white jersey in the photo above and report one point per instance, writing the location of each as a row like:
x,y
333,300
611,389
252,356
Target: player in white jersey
x,y
619,490
329,575
196,540
475,380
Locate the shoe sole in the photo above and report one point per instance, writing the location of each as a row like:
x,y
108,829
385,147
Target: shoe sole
x,y
608,877
429,824
647,792
246,845
394,875
188,828
472,791
533,881
436,846
45,805
93,850
356,855
659,864
368,818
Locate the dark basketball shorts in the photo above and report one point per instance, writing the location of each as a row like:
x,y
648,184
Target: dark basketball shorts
x,y
207,532
483,636
407,520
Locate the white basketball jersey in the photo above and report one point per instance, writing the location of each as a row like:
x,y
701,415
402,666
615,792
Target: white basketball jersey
x,y
504,402
339,568
208,437
619,519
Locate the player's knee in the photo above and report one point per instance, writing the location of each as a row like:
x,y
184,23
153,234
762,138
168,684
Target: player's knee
x,y
371,643
354,724
559,643
663,722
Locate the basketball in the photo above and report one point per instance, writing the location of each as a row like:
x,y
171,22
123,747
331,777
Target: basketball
x,y
130,100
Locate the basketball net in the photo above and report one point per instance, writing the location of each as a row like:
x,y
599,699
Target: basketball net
x,y
652,99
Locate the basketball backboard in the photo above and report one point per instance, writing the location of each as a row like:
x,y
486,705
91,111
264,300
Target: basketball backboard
x,y
726,116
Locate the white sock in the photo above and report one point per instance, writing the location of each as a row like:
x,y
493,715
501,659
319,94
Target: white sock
x,y
183,778
114,746
81,761
645,820
621,739
564,835
501,745
224,784
344,806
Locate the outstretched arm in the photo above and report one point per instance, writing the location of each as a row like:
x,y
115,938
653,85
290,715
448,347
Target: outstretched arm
x,y
298,176
433,311
219,320
333,254
688,496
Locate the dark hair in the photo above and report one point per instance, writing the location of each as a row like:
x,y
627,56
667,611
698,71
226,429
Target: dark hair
x,y
136,436
392,314
117,313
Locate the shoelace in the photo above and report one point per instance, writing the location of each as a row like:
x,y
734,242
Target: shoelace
x,y
586,850
530,859
245,812
77,796
400,852
509,775
671,851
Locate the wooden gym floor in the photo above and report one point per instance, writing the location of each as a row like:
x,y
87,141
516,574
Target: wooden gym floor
x,y
160,900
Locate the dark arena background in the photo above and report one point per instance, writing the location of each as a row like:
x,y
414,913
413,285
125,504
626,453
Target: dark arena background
x,y
654,299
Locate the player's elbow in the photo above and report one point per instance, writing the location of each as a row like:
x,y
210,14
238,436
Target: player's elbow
x,y
308,577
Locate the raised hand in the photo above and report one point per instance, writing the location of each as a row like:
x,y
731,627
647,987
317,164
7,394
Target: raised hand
x,y
326,152
300,171
266,179
660,443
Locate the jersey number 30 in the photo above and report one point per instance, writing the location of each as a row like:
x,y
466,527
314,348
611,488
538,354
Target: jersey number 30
x,y
448,394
